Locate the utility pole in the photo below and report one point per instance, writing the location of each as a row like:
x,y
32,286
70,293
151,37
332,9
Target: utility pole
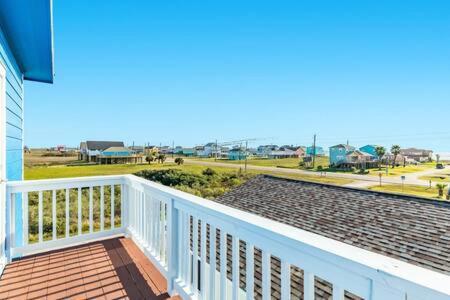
x,y
245,153
217,151
314,152
173,148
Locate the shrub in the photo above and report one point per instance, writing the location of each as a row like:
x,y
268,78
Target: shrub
x,y
179,161
209,172
204,185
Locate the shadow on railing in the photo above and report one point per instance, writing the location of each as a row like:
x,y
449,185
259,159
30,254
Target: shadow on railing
x,y
204,249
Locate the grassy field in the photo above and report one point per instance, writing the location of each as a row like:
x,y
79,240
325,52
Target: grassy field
x,y
291,163
42,157
414,190
441,177
41,172
399,171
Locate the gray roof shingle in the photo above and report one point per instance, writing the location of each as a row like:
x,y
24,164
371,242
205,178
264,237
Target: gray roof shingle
x,y
411,229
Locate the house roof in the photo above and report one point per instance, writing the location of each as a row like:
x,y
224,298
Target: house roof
x,y
117,149
27,26
415,230
102,145
345,146
359,153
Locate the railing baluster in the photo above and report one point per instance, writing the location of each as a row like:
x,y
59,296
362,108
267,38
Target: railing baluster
x,y
54,217
187,250
25,217
91,214
203,260
195,256
212,262
180,244
112,206
250,270
40,217
235,267
266,272
67,212
308,285
285,280
338,292
162,234
157,213
80,226
102,208
223,264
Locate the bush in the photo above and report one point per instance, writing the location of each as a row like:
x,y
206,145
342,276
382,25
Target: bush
x,y
209,172
319,168
179,161
208,185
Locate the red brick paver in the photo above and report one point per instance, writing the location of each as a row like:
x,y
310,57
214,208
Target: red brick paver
x,y
110,269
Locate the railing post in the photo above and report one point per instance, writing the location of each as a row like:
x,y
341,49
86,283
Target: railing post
x,y
9,224
172,245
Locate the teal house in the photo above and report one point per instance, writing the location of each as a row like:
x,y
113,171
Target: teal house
x,y
319,151
26,53
371,149
237,154
338,154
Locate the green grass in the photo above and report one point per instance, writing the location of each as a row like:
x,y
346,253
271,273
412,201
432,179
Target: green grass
x,y
98,170
442,177
291,163
398,171
414,190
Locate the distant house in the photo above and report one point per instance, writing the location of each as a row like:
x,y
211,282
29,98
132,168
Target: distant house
x,y
300,152
371,149
188,151
318,151
237,154
281,153
419,155
358,158
338,154
108,152
264,150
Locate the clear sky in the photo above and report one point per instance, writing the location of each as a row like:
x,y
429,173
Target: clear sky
x,y
195,71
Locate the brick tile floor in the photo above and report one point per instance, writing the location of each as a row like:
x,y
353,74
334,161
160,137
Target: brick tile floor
x,y
110,269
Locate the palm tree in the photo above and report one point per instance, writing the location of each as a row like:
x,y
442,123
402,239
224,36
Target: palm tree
x,y
441,187
395,150
381,151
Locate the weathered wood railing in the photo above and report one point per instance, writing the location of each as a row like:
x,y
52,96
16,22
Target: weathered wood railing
x,y
210,251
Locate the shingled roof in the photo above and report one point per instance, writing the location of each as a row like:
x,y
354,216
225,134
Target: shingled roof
x,y
410,229
102,145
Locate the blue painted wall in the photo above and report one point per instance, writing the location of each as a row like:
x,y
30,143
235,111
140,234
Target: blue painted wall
x,y
119,153
14,125
319,150
371,149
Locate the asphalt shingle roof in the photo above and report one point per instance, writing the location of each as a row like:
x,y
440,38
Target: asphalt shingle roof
x,y
410,229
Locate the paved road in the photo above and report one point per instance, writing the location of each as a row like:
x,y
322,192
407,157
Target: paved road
x,y
360,180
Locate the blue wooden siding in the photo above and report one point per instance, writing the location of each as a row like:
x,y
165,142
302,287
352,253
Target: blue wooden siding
x,y
14,125
14,113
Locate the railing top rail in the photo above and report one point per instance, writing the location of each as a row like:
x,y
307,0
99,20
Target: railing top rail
x,y
367,263
60,183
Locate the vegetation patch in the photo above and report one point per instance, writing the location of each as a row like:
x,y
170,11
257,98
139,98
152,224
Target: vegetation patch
x,y
209,184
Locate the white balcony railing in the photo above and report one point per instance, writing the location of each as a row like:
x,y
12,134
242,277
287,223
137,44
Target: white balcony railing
x,y
235,249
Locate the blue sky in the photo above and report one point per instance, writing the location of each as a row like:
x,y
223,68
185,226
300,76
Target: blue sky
x,y
196,71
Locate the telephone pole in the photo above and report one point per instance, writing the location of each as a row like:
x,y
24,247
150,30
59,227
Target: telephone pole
x,y
245,153
314,152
